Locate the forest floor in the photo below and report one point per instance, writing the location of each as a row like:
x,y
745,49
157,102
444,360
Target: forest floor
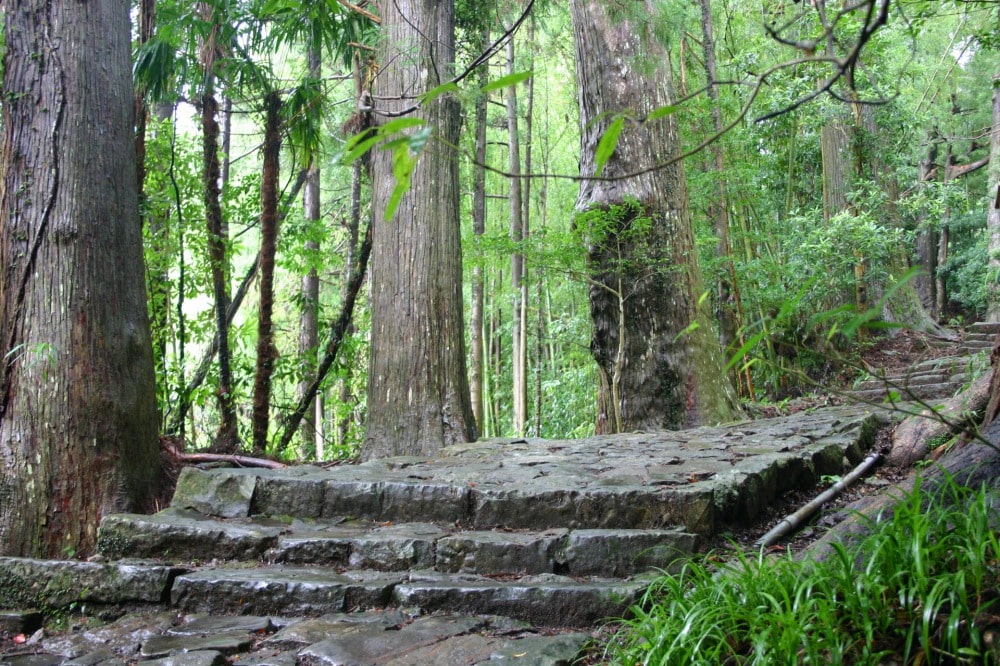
x,y
890,355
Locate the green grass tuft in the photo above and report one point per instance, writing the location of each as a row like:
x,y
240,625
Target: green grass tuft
x,y
920,589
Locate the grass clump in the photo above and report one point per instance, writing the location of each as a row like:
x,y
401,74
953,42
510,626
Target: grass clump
x,y
920,589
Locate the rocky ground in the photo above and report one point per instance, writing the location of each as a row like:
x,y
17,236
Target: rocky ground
x,y
280,641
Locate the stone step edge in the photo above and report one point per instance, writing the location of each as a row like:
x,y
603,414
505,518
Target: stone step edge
x,y
307,591
546,600
920,392
987,326
178,535
921,379
332,638
697,502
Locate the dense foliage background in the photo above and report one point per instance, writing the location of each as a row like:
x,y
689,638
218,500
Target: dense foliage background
x,y
922,112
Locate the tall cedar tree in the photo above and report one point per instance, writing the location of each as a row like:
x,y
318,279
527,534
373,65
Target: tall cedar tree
x,y
78,421
659,363
418,390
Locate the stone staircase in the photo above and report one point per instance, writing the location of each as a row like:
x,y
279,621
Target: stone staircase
x,y
936,378
504,547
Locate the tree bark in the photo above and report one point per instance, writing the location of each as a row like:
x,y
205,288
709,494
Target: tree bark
x,y
266,350
309,292
927,236
519,363
147,23
660,365
78,421
719,207
993,212
227,438
478,229
418,390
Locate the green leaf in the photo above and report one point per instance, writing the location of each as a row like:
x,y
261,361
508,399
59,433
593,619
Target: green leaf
x,y
434,93
690,328
419,139
361,143
606,146
509,80
662,112
399,124
403,162
353,150
742,351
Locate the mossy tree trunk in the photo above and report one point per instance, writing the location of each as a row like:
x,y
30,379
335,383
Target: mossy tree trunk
x,y
267,353
78,421
993,212
660,364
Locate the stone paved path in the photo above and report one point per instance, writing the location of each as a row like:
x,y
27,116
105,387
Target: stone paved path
x,y
507,551
938,377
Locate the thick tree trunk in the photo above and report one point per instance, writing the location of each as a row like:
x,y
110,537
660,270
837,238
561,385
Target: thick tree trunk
x,y
660,365
993,212
147,23
418,390
266,351
78,421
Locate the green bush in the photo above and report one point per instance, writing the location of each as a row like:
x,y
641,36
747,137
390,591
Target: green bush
x,y
919,589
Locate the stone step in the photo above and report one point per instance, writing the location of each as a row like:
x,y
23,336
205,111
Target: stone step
x,y
698,480
949,363
297,615
989,337
920,379
297,591
923,379
984,327
386,637
543,600
921,392
182,535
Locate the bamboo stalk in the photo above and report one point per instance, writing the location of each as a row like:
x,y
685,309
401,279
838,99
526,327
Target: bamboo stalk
x,y
792,521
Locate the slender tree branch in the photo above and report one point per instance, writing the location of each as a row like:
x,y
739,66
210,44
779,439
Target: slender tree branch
x,y
360,10
206,360
338,329
239,461
498,44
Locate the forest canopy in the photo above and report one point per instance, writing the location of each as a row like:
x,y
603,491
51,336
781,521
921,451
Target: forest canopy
x,y
828,149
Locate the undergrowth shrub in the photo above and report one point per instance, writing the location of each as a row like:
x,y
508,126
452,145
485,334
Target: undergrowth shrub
x,y
920,589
